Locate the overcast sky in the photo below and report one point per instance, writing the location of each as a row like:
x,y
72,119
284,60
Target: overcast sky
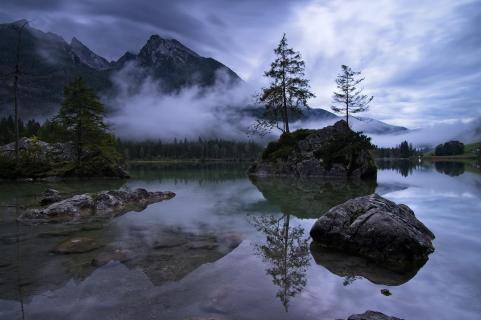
x,y
421,58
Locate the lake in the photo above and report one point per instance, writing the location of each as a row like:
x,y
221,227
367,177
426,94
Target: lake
x,y
219,250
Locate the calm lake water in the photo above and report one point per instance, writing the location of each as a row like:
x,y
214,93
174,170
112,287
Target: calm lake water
x,y
219,249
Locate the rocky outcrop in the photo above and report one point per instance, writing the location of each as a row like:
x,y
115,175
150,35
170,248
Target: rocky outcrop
x,y
332,152
371,315
40,160
42,151
377,229
105,203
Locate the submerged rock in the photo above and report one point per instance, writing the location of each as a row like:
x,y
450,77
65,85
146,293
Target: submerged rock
x,y
105,203
76,245
333,152
371,315
375,228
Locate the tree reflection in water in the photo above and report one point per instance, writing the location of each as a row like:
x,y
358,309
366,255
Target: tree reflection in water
x,y
286,251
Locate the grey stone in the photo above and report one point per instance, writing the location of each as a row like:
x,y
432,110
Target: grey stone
x,y
105,203
377,229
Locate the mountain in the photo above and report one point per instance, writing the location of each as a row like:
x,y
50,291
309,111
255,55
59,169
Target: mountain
x,y
316,118
177,65
50,63
87,56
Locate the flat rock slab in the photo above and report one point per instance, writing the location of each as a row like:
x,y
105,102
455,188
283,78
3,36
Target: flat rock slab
x,y
375,228
104,204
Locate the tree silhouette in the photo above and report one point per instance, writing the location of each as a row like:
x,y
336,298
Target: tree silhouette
x,y
288,91
349,99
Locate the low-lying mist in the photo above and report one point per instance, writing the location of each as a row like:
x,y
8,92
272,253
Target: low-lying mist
x,y
143,110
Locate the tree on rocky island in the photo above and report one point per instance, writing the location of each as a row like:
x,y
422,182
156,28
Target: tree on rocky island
x,y
81,116
349,99
287,92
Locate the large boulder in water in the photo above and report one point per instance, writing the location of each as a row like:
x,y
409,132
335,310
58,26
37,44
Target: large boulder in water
x,y
377,229
332,152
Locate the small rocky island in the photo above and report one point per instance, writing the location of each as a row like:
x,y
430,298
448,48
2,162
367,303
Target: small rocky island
x,y
331,152
102,204
377,229
39,160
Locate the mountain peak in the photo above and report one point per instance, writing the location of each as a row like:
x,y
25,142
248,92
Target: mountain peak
x,y
76,42
158,48
87,56
21,22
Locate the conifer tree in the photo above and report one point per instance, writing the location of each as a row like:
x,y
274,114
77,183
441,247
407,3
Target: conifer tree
x,y
349,99
81,115
287,92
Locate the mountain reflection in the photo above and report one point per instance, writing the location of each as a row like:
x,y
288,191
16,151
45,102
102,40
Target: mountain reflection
x,y
286,252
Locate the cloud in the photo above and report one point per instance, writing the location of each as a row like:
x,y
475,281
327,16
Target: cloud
x,y
420,58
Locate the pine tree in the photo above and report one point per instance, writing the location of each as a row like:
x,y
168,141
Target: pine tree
x,y
349,99
288,91
81,115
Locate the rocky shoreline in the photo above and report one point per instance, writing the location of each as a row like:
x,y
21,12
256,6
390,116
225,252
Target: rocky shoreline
x,y
42,161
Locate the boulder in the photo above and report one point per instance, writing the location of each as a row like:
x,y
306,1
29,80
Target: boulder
x,y
377,229
371,315
105,203
331,152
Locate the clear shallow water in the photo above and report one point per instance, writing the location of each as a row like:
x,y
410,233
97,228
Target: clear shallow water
x,y
218,249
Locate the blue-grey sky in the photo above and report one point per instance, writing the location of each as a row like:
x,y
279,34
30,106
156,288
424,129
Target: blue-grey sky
x,y
421,59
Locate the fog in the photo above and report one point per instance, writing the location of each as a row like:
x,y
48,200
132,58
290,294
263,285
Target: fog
x,y
463,130
143,110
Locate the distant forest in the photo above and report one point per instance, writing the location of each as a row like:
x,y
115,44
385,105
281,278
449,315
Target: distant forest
x,y
404,150
181,149
203,149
